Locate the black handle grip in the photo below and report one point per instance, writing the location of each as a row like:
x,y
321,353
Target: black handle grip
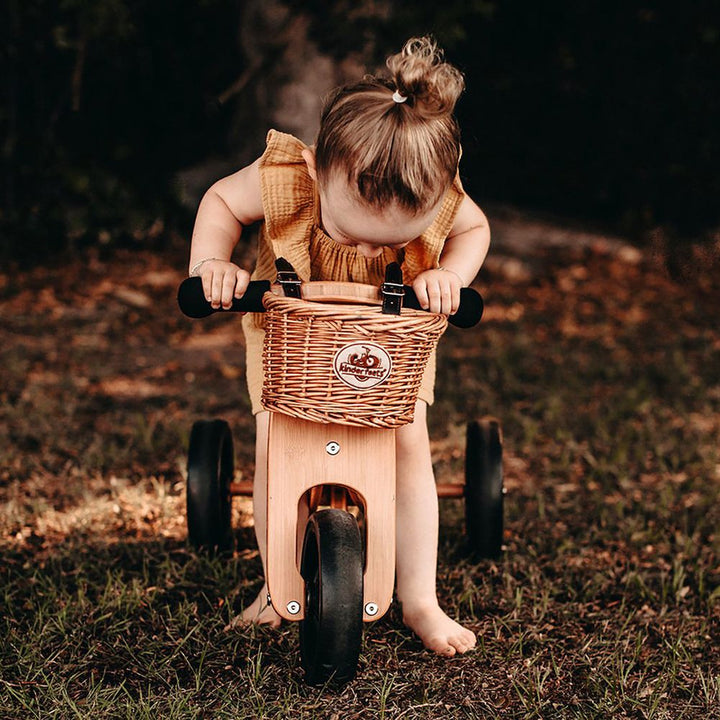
x,y
192,302
191,298
468,314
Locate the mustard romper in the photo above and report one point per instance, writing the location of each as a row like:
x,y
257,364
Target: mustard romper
x,y
292,230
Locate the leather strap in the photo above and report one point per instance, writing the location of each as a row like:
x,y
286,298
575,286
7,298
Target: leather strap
x,y
392,290
288,278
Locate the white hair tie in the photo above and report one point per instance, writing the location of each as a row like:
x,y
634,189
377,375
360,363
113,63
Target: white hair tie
x,y
398,98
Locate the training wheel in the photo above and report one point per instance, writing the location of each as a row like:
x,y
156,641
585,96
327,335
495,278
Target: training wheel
x,y
484,488
210,471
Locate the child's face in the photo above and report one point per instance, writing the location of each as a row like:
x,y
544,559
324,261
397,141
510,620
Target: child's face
x,y
349,221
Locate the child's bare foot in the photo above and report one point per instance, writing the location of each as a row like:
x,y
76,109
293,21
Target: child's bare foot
x,y
261,612
437,631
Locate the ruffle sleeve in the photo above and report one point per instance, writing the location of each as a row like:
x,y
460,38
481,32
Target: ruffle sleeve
x,y
288,196
424,252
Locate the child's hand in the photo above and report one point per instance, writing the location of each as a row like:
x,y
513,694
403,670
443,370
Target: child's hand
x,y
438,290
222,281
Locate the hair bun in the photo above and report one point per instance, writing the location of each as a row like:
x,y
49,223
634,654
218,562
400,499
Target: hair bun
x,y
420,72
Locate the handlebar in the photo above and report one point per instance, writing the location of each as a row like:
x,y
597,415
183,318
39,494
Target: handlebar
x,y
192,302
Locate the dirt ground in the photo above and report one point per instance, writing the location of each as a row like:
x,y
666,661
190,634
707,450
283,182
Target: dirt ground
x,y
602,361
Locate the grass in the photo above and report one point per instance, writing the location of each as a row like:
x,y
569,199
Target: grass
x,y
605,604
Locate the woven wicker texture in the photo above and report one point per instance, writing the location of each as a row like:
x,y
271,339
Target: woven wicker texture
x,y
346,364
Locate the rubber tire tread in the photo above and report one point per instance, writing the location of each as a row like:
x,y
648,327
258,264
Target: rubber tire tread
x,y
332,566
484,489
210,470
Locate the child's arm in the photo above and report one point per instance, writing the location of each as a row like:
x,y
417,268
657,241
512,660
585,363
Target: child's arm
x,y
464,252
226,207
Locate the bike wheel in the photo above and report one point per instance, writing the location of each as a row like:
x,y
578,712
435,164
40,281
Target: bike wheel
x,y
484,488
332,567
210,471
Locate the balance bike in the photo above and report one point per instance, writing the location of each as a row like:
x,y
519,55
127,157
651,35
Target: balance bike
x,y
331,454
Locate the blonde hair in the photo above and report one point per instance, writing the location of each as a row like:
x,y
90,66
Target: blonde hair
x,y
405,152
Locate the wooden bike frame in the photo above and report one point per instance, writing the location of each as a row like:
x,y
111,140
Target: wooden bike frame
x,y
306,458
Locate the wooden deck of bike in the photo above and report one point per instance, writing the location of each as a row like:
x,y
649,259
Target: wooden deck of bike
x,y
298,460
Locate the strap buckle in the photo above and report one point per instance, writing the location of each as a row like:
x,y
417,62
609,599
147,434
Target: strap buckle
x,y
288,279
392,290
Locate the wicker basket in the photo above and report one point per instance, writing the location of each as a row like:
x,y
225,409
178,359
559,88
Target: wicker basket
x,y
346,364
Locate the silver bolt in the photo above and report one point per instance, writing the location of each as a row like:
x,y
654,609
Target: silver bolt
x,y
332,448
293,607
371,609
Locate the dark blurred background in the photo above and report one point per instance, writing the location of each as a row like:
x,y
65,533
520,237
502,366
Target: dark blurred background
x,y
117,114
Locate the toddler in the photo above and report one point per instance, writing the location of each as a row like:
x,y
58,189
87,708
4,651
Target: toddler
x,y
379,185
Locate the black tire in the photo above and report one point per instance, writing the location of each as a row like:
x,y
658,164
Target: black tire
x,y
484,488
210,471
332,567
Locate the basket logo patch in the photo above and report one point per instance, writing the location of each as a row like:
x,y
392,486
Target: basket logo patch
x,y
362,365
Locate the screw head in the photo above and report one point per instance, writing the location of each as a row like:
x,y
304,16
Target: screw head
x,y
293,607
371,609
332,448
